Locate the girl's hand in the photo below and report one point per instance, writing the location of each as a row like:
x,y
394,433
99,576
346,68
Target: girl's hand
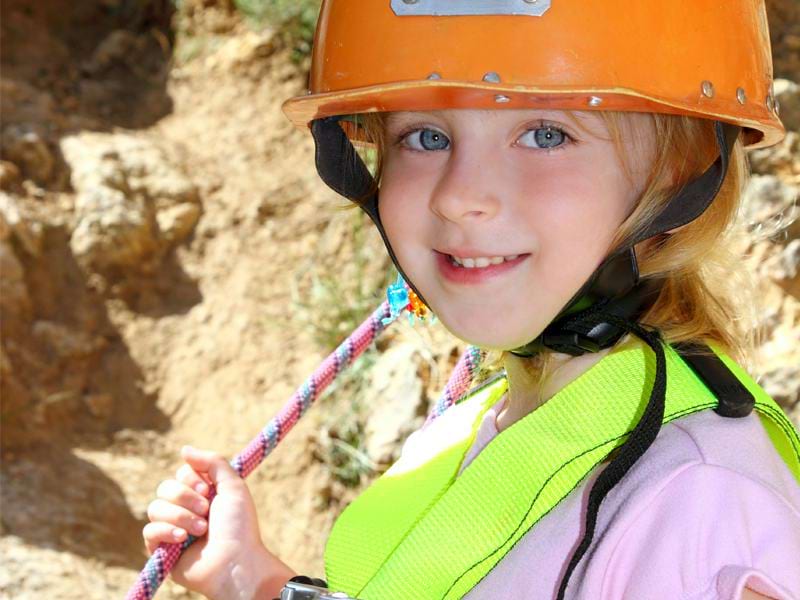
x,y
229,559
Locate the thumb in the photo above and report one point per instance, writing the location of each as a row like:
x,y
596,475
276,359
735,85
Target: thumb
x,y
204,461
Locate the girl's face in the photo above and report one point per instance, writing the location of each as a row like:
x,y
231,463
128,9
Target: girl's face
x,y
499,217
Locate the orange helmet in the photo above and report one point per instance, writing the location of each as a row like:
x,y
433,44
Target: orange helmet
x,y
703,58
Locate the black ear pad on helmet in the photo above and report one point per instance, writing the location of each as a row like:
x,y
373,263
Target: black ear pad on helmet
x,y
615,285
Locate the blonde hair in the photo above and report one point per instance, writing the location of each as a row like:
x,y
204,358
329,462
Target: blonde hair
x,y
707,296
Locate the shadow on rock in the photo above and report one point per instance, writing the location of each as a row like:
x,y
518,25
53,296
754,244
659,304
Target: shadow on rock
x,y
104,62
66,371
54,499
169,291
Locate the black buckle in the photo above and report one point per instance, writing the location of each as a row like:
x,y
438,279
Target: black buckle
x,y
572,343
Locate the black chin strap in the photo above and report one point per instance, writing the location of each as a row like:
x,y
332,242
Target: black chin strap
x,y
639,440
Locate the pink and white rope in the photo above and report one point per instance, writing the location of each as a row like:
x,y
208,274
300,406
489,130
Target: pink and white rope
x,y
166,555
460,381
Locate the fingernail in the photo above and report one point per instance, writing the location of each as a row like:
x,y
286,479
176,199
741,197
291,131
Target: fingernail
x,y
201,488
178,533
200,525
200,508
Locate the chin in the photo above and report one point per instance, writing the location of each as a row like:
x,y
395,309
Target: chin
x,y
491,336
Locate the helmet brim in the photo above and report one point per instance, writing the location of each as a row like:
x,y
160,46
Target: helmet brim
x,y
761,128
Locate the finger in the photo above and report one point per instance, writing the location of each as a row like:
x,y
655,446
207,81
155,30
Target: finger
x,y
191,478
218,469
162,511
155,534
180,494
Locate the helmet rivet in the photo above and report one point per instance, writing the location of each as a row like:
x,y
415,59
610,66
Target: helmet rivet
x,y
595,101
410,1
741,96
707,88
501,98
531,1
770,102
777,107
492,77
434,76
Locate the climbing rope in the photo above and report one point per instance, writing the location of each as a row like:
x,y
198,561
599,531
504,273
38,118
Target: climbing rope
x,y
460,381
166,555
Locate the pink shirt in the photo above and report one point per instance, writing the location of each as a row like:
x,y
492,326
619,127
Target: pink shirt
x,y
711,507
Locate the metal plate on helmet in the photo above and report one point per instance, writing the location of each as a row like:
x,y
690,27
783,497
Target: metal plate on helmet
x,y
531,8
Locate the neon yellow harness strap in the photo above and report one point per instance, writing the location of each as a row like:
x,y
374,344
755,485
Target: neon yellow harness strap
x,y
419,532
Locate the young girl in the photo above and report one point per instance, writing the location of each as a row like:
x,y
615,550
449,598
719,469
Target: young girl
x,y
557,180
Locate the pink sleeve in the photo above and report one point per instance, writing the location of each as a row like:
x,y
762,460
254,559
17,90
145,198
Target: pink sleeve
x,y
706,535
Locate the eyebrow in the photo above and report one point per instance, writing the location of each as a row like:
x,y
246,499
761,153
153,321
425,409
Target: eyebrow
x,y
409,114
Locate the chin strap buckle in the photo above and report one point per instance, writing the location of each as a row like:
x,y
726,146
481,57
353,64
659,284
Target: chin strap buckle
x,y
572,343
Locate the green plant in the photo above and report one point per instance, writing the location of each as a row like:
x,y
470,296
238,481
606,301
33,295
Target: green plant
x,y
342,430
332,295
335,301
348,462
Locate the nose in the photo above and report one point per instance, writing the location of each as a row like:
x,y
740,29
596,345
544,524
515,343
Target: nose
x,y
467,190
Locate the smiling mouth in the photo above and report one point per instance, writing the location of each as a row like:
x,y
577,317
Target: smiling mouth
x,y
480,262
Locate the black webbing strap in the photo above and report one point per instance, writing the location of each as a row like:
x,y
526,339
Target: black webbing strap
x,y
734,399
696,195
639,440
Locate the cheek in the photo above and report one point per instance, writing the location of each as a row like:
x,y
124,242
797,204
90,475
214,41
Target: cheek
x,y
577,208
400,213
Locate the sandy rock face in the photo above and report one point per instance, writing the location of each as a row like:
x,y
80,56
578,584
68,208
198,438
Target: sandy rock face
x,y
133,203
15,232
244,51
787,93
772,210
26,147
770,205
395,400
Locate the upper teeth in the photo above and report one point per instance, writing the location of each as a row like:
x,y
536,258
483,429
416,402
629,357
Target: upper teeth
x,y
482,261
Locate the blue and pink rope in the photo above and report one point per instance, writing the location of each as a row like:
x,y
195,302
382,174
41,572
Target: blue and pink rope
x,y
165,556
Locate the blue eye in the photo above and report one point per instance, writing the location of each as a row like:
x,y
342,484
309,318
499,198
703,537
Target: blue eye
x,y
546,137
427,140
